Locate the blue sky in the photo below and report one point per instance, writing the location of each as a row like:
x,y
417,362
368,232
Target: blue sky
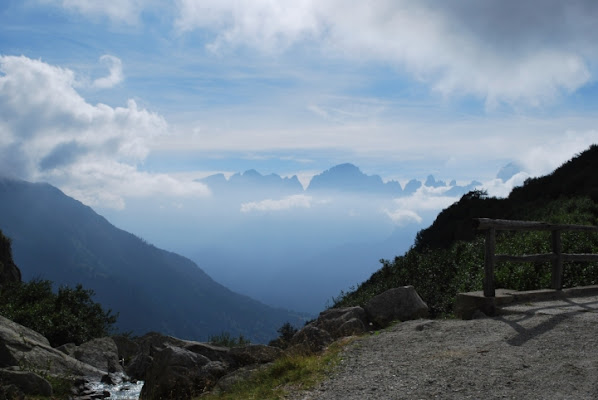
x,y
118,99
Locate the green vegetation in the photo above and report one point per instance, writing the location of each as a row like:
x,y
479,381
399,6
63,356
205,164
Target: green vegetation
x,y
448,257
226,340
292,371
68,316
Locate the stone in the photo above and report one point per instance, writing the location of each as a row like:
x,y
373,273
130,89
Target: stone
x,y
28,383
255,354
398,304
176,373
23,347
340,322
127,348
101,353
310,340
214,353
67,348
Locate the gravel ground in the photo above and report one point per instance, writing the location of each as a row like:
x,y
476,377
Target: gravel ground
x,y
545,350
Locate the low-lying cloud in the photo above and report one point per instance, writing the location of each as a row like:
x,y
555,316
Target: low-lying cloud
x,y
286,203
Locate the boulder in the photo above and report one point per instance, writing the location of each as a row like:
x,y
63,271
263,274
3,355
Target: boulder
x,y
29,350
176,373
28,383
398,304
127,348
101,353
309,340
138,366
341,322
254,354
214,353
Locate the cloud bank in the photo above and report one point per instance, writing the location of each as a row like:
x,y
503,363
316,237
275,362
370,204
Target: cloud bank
x,y
504,52
50,133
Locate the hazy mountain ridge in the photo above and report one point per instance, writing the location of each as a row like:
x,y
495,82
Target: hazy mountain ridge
x,y
58,238
346,178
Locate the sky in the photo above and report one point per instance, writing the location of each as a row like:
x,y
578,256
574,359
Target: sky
x,y
130,99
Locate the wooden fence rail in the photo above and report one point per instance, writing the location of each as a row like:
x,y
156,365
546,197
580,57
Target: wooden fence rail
x,y
557,257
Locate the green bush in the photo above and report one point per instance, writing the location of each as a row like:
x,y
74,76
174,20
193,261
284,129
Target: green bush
x,y
68,316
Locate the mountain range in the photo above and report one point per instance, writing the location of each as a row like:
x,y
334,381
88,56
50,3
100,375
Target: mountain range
x,y
345,178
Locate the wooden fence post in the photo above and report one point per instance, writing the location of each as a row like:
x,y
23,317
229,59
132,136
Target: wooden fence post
x,y
489,261
557,262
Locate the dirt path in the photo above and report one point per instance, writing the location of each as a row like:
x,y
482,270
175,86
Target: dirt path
x,y
545,350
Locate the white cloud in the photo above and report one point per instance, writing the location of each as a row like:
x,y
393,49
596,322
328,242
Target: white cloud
x,y
498,188
403,217
286,203
50,133
115,73
502,52
546,157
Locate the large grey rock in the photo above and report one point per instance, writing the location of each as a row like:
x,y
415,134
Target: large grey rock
x,y
214,353
23,347
398,304
101,353
176,373
310,340
255,354
27,382
341,322
127,348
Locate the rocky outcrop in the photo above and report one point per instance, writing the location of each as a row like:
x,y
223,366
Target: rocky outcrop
x,y
341,322
176,373
100,353
26,359
398,304
175,368
310,340
27,349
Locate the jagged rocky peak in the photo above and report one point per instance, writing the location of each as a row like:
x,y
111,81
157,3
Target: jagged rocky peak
x,y
431,182
252,179
349,178
508,171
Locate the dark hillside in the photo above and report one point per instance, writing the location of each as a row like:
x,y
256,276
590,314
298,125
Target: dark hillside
x,y
448,257
576,178
9,272
57,238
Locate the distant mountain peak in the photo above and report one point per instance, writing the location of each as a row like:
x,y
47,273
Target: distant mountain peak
x,y
509,170
349,178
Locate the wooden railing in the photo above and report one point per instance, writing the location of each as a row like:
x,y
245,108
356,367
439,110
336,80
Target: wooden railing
x,y
557,257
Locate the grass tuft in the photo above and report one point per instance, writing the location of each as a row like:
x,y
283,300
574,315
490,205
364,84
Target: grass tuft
x,y
296,372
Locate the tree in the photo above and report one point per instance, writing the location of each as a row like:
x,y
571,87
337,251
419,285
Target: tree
x,y
69,316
